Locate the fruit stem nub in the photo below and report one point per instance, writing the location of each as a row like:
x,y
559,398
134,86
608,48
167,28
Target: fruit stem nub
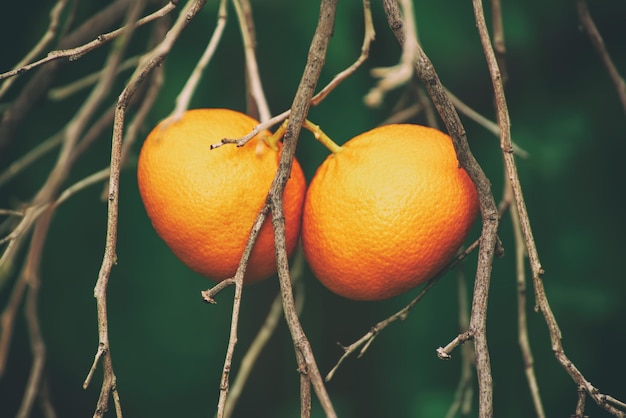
x,y
272,140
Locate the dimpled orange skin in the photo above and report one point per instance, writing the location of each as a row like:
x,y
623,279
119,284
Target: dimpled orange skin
x,y
203,202
387,212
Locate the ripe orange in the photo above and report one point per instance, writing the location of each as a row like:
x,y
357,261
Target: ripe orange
x,y
386,212
203,202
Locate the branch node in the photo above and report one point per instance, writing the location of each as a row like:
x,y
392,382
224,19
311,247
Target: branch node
x,y
209,295
444,352
441,353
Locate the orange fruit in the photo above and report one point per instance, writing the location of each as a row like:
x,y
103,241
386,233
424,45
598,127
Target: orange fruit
x,y
386,211
203,202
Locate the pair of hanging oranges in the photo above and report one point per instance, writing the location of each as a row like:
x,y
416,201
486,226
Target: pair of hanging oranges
x,y
383,213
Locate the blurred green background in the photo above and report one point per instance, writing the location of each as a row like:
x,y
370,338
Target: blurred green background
x,y
168,346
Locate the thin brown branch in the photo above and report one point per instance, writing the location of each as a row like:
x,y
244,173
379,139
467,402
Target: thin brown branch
x,y
254,85
429,109
364,342
137,123
46,39
45,399
209,295
109,385
499,45
185,95
600,47
147,101
46,195
368,37
78,52
463,394
254,132
7,319
151,61
60,171
31,215
404,114
533,255
489,213
29,158
11,212
580,405
265,333
523,339
65,91
31,271
39,84
251,356
484,122
393,77
307,364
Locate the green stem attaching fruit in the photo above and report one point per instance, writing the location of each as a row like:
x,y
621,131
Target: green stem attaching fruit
x,y
273,139
321,136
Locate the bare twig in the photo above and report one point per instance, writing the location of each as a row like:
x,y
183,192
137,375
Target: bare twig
x,y
38,85
499,45
307,364
257,129
63,92
46,195
8,315
580,405
524,342
321,95
184,97
463,395
407,106
152,60
598,44
533,255
264,334
78,52
45,399
489,213
226,404
7,319
429,109
255,88
46,39
401,73
368,37
251,356
109,385
11,212
366,340
209,295
29,158
38,346
484,122
49,190
147,102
